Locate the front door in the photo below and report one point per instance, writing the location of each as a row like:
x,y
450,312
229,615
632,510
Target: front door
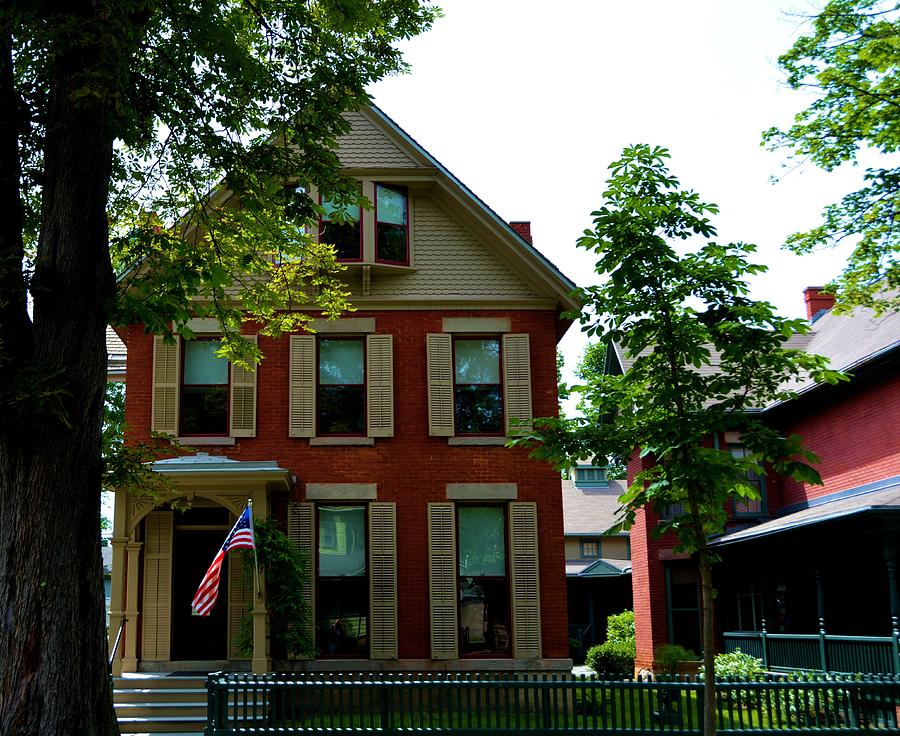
x,y
199,533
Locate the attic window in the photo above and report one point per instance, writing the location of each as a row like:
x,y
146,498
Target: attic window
x,y
391,225
591,477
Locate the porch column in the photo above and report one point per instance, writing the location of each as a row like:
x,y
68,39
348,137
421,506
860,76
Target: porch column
x,y
117,581
116,601
129,660
889,546
261,662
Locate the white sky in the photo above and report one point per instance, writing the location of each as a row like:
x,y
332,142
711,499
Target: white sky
x,y
528,103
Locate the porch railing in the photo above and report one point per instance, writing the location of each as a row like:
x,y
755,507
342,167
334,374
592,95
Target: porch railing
x,y
821,652
521,703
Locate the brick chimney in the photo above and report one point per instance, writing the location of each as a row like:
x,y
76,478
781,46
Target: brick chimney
x,y
817,303
524,229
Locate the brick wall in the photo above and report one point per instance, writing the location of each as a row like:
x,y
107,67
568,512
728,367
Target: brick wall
x,y
856,439
410,468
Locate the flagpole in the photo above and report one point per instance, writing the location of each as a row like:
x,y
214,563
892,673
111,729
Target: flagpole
x,y
255,559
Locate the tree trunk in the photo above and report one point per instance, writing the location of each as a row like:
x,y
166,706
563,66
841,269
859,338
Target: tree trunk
x,y
707,595
54,676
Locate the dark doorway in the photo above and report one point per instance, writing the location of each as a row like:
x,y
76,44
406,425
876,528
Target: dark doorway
x,y
199,533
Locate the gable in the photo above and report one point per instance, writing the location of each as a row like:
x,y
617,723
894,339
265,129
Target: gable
x,y
367,146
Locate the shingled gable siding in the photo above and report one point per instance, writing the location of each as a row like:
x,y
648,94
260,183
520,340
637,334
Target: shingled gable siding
x,y
434,464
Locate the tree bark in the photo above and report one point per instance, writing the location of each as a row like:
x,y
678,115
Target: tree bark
x,y
707,595
54,677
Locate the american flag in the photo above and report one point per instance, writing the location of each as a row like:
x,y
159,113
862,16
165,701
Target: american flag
x,y
240,537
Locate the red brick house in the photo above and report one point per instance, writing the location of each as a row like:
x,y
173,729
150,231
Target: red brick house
x,y
808,569
377,442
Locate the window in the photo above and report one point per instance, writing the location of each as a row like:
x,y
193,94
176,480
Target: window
x,y
342,386
590,477
483,585
342,615
204,389
391,225
477,390
746,506
341,226
672,511
590,549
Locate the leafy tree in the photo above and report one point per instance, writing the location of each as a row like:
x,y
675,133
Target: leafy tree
x,y
675,314
185,137
849,59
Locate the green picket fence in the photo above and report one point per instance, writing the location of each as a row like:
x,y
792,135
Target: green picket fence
x,y
523,703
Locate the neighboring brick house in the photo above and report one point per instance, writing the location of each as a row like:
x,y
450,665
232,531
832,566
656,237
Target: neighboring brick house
x,y
806,565
377,442
598,564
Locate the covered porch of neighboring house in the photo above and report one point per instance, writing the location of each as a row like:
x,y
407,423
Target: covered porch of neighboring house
x,y
161,548
596,589
816,589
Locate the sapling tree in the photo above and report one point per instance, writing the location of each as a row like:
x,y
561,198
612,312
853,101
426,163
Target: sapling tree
x,y
701,356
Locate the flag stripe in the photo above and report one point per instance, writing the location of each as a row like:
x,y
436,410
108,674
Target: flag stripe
x,y
240,537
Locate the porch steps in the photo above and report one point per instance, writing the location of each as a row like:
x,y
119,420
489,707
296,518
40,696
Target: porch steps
x,y
150,704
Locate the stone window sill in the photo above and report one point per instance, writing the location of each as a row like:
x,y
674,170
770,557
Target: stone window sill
x,y
192,441
470,441
341,441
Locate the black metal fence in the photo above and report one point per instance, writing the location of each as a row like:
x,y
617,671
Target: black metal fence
x,y
523,703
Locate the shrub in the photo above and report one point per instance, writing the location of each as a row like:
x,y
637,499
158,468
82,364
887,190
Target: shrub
x,y
612,658
576,651
737,665
668,656
620,627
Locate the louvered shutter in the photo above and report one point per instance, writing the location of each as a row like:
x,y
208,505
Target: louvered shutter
x,y
517,384
442,580
157,598
243,398
240,600
380,385
383,580
165,386
301,533
302,386
526,603
440,384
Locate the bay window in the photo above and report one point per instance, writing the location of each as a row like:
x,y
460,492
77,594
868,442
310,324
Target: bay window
x,y
391,225
341,226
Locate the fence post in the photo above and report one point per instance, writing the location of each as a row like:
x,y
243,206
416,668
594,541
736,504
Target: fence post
x,y
765,646
895,643
212,705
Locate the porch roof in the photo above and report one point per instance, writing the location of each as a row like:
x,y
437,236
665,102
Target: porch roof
x,y
883,499
205,467
603,567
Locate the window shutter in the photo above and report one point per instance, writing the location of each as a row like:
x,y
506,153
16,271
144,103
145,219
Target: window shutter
x,y
243,398
380,385
302,421
440,384
165,386
301,533
383,580
240,600
517,384
526,603
157,611
442,580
